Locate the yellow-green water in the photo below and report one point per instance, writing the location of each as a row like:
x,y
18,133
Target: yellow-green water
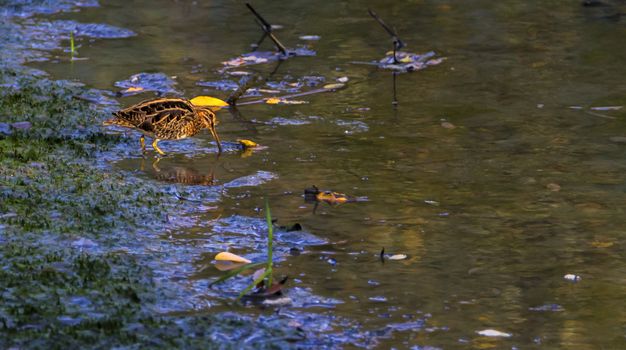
x,y
492,212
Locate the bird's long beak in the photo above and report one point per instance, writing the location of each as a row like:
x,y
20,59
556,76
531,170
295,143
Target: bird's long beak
x,y
217,138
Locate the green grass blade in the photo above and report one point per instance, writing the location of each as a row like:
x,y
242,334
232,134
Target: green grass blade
x,y
235,272
72,48
268,272
270,240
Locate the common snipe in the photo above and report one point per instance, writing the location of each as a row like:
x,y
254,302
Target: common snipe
x,y
170,119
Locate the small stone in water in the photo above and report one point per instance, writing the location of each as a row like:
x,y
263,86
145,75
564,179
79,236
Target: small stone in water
x,y
343,79
572,277
493,333
332,261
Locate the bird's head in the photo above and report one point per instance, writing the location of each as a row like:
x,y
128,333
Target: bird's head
x,y
206,108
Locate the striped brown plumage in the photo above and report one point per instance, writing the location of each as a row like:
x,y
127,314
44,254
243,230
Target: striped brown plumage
x,y
166,119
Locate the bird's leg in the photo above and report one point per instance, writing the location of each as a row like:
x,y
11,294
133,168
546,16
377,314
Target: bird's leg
x,y
156,147
142,141
217,139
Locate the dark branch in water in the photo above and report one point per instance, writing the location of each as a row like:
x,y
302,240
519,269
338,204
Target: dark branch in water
x,y
248,82
267,28
245,83
382,255
397,43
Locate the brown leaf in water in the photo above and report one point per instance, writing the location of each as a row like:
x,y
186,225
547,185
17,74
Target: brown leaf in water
x,y
333,197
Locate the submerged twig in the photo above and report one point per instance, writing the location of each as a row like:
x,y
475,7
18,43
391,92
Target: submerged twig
x,y
245,83
299,94
267,28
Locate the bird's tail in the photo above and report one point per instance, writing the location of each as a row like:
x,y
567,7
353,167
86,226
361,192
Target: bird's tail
x,y
118,121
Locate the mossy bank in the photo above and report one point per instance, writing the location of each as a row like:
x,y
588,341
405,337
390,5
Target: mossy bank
x,y
62,217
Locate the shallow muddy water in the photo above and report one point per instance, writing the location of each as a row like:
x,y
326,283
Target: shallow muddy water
x,y
496,173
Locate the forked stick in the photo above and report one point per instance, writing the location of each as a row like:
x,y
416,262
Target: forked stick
x,y
267,28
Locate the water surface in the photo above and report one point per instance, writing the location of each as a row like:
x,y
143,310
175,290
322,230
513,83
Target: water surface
x,y
483,174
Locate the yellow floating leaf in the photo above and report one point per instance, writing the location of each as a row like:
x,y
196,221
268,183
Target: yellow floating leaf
x,y
208,101
333,86
406,59
134,89
226,256
332,197
247,143
272,100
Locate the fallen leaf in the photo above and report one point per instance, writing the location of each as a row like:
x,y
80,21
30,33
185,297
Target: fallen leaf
x,y
247,143
208,101
398,257
226,256
332,197
333,86
272,100
282,101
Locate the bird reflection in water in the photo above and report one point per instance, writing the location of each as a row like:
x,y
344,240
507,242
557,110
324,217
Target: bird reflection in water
x,y
180,174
